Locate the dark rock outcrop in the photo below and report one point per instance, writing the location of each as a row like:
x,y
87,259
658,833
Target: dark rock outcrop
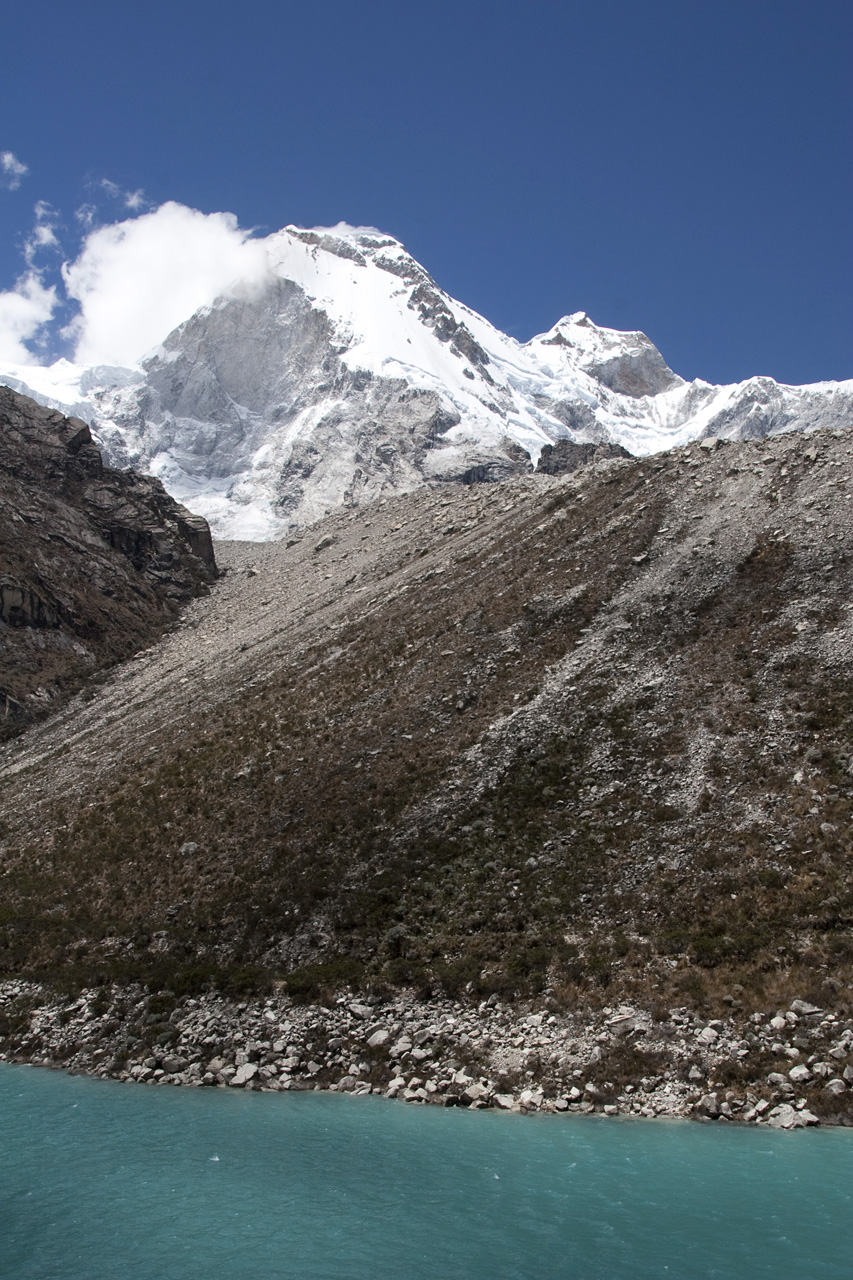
x,y
94,563
565,456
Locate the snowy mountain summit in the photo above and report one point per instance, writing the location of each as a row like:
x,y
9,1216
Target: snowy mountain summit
x,y
345,372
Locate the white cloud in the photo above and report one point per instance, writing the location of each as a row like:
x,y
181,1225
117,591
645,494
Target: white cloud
x,y
23,311
133,200
12,170
86,215
136,280
27,308
43,234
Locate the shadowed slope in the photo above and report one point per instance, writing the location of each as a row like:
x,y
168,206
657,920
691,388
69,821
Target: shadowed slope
x,y
94,563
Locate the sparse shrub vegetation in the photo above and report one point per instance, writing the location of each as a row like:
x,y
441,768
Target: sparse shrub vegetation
x,y
346,834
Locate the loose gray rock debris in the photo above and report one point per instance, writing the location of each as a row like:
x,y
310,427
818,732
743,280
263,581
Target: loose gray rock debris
x,y
472,760
468,1056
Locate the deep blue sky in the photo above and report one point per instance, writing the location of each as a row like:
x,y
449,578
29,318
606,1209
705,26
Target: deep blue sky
x,y
679,166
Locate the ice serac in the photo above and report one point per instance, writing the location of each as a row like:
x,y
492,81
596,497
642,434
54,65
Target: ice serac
x,y
348,373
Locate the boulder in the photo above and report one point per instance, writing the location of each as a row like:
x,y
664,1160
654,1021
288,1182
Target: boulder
x,y
172,1064
395,1086
243,1075
475,1093
785,1117
804,1009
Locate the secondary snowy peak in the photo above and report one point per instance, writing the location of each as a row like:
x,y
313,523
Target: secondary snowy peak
x,y
628,363
341,372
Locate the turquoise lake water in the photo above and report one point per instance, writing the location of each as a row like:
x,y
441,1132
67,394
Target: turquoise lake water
x,y
102,1180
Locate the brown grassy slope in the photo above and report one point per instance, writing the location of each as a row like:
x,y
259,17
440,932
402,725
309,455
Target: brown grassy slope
x,y
590,736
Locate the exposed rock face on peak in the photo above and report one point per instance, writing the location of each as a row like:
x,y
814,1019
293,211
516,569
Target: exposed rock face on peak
x,y
627,363
347,374
94,563
285,412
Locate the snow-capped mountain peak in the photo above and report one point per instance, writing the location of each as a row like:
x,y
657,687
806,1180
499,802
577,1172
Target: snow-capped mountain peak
x,y
342,371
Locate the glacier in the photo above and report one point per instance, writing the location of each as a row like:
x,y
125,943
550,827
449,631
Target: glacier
x,y
342,373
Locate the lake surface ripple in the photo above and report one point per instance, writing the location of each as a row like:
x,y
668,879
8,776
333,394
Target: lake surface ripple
x,y
102,1180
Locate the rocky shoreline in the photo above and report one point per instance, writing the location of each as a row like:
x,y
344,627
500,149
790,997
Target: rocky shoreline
x,y
616,1061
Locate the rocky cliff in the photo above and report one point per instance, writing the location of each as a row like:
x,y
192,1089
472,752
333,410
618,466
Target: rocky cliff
x,y
94,563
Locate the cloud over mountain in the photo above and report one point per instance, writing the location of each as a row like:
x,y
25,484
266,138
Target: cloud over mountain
x,y
136,280
23,311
